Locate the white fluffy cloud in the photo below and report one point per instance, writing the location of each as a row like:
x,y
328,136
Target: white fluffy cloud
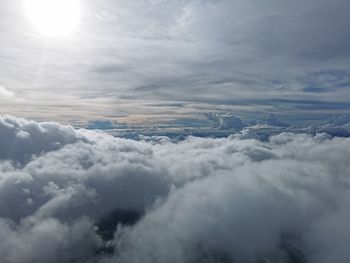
x,y
21,138
200,200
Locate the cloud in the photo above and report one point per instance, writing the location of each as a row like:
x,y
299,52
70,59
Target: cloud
x,y
21,138
336,126
226,121
9,99
47,241
6,94
208,200
229,121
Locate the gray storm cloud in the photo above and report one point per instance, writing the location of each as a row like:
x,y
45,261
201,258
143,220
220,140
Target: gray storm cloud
x,y
71,195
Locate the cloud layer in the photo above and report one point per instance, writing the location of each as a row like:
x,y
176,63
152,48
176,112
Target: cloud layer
x,y
79,196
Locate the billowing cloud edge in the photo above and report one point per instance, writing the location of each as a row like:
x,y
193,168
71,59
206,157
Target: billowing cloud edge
x,y
70,195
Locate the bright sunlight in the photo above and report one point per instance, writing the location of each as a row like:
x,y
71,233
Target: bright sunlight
x,y
53,18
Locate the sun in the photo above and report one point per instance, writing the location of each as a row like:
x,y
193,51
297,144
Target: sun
x,y
53,18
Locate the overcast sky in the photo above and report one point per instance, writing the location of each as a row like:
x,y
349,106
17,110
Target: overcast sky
x,y
159,59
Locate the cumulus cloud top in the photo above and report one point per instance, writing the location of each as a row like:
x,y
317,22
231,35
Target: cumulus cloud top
x,y
82,196
21,138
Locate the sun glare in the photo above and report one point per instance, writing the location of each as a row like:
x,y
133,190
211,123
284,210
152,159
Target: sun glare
x,y
53,18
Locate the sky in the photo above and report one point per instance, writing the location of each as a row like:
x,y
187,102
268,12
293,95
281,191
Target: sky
x,y
160,131
159,60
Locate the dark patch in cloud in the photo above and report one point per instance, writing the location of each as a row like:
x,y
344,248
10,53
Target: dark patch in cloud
x,y
107,225
313,104
316,89
343,85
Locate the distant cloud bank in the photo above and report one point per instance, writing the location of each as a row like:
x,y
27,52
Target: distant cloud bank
x,y
71,195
